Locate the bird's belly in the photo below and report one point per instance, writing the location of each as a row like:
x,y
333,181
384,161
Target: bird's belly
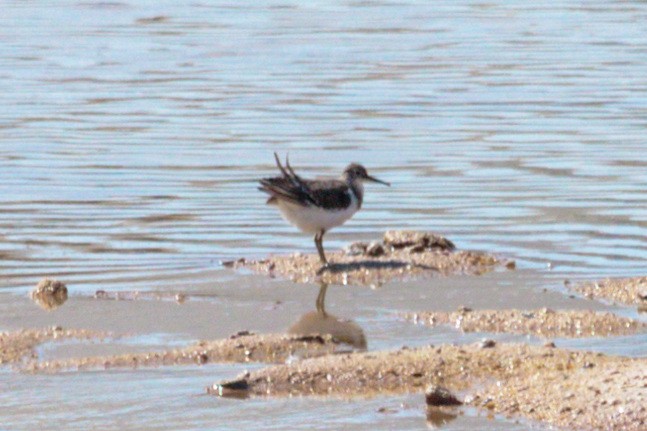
x,y
313,219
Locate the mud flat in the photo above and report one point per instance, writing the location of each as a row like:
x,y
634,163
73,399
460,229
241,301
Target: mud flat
x,y
630,291
19,345
571,389
241,347
400,255
544,322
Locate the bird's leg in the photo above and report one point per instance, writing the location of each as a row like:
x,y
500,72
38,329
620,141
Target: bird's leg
x,y
318,243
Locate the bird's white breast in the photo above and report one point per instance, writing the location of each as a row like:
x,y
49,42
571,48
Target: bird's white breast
x,y
312,219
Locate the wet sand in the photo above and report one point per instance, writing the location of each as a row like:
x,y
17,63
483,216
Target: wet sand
x,y
19,345
568,389
629,291
545,323
509,379
241,348
400,255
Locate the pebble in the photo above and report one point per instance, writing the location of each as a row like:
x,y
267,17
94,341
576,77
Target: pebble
x,y
356,249
436,395
375,249
487,343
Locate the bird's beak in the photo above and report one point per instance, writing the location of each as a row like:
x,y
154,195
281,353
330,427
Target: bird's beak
x,y
375,180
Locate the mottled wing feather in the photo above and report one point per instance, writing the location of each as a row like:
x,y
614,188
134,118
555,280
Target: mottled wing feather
x,y
286,189
331,194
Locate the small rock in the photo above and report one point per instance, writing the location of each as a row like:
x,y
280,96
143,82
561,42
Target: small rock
x,y
487,343
387,410
464,309
511,265
356,249
440,396
404,238
48,285
417,249
550,345
233,263
375,249
233,389
240,334
49,293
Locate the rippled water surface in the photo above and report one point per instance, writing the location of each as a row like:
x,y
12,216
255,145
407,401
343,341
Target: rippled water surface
x,y
132,133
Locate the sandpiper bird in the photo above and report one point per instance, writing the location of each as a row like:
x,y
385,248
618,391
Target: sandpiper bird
x,y
316,206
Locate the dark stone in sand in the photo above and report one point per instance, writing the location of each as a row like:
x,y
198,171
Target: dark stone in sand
x,y
487,343
375,249
440,396
233,389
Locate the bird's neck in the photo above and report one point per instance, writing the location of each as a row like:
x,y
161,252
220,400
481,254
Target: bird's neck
x,y
357,188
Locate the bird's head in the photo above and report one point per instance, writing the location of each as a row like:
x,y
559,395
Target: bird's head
x,y
356,171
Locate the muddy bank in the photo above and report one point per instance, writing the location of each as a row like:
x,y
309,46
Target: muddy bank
x,y
564,388
241,347
399,255
19,345
630,291
544,322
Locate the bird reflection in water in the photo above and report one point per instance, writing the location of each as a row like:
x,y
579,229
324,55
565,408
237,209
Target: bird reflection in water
x,y
437,417
319,322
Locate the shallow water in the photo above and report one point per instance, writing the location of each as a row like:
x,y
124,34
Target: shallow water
x,y
132,133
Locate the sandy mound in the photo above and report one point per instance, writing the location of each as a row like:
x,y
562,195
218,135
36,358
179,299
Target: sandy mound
x,y
19,345
400,255
564,388
631,291
241,347
544,323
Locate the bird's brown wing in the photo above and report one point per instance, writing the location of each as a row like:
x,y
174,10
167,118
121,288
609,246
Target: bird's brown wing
x,y
332,194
